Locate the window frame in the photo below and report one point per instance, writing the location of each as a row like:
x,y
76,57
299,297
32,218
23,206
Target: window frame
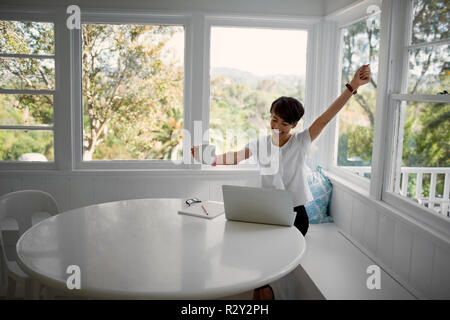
x,y
262,22
391,67
345,18
68,95
394,65
151,18
35,15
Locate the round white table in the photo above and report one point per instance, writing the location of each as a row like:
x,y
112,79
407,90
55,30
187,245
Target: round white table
x,y
144,249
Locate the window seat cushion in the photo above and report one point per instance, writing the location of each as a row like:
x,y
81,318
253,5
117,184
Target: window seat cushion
x,y
321,188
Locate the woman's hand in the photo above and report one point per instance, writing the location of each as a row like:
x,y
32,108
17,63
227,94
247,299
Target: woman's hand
x,y
361,77
195,151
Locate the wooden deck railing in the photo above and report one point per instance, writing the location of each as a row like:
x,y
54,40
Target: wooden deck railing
x,y
437,202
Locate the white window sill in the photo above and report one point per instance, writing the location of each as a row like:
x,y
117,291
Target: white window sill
x,y
349,179
196,170
354,187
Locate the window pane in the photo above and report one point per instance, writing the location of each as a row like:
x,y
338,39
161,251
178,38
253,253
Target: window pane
x,y
26,37
26,73
26,110
30,145
250,68
430,20
429,70
132,92
426,153
361,42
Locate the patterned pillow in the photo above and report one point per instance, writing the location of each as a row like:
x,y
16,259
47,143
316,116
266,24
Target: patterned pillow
x,y
321,188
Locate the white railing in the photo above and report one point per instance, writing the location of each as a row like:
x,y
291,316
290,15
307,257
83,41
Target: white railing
x,y
439,203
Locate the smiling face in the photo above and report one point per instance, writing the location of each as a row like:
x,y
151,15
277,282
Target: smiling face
x,y
285,113
281,127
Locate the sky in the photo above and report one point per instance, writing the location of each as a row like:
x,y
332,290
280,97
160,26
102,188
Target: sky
x,y
260,51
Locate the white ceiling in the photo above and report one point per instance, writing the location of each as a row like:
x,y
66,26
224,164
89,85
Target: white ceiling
x,y
275,7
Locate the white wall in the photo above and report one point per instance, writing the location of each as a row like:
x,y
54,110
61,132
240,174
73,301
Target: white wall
x,y
78,189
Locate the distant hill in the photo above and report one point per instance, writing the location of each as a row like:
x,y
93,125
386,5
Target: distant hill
x,y
235,74
244,76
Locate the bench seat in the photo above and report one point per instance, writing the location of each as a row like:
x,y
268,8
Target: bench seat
x,y
338,268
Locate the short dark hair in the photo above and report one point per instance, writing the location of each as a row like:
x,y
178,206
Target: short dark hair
x,y
289,109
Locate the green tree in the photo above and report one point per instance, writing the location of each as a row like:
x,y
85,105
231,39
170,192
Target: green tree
x,y
128,89
31,74
132,91
243,103
426,140
360,46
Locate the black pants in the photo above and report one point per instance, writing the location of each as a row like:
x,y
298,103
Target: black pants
x,y
302,224
301,220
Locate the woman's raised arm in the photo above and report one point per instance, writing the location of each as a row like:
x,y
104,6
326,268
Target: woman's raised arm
x,y
361,77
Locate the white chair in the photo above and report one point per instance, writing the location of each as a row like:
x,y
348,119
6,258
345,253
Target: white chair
x,y
21,206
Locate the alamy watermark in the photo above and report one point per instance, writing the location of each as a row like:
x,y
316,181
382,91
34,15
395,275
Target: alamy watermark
x,y
74,280
267,155
74,19
374,280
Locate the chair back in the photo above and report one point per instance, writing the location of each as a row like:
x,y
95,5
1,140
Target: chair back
x,y
21,205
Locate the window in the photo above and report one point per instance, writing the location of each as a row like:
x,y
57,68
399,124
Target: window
x,y
132,87
421,169
27,86
355,125
249,69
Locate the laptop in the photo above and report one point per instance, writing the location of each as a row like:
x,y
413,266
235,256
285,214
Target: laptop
x,y
258,205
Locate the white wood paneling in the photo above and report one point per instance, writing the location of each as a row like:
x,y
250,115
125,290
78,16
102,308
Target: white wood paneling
x,y
198,189
370,236
422,264
215,187
81,191
59,188
341,208
404,249
8,185
339,269
441,274
138,188
334,202
401,260
151,187
134,188
358,219
34,182
105,189
385,246
78,190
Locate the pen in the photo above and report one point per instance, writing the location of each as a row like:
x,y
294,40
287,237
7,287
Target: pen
x,y
204,209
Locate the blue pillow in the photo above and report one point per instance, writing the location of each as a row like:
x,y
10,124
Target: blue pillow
x,y
321,188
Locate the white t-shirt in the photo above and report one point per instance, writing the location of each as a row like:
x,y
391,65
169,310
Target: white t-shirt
x,y
284,168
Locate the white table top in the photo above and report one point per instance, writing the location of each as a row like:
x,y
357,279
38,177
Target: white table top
x,y
145,249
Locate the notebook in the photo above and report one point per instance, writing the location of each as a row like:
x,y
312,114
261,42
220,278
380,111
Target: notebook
x,y
214,209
